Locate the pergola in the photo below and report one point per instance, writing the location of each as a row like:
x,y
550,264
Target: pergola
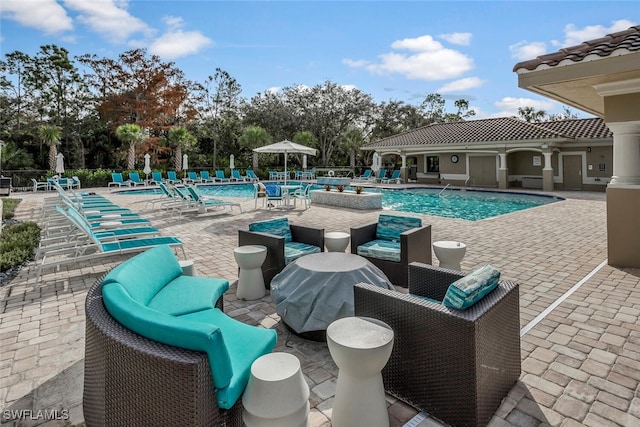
x,y
602,77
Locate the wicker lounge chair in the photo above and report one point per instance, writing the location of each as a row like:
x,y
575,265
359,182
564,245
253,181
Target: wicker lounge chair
x,y
132,380
456,365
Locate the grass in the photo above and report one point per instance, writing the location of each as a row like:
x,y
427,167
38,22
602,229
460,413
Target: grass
x,y
18,241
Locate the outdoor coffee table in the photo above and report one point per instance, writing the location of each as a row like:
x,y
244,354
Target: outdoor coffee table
x,y
317,289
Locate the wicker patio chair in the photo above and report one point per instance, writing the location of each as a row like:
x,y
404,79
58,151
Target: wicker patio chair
x,y
455,365
130,380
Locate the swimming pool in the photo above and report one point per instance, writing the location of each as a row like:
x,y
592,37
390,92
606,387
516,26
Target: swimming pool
x,y
471,205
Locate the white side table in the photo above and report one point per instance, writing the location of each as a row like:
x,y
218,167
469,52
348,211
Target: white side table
x,y
250,279
187,267
450,253
336,241
276,394
360,347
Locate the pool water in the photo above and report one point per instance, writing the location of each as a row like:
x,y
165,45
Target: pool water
x,y
471,205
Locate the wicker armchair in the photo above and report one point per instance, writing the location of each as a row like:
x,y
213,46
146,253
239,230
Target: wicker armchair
x,y
275,261
130,380
456,365
415,246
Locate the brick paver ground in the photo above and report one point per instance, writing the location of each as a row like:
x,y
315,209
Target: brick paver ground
x,y
580,364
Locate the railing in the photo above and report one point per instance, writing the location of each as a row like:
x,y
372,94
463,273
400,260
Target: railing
x,y
442,191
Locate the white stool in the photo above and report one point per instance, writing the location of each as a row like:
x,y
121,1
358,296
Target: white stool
x,y
360,347
450,253
187,267
336,241
277,394
250,280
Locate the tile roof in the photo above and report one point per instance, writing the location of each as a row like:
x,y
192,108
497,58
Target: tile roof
x,y
502,129
620,43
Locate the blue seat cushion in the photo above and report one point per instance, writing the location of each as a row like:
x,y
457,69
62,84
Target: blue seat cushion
x,y
390,227
272,190
380,249
276,226
294,250
245,343
187,294
468,290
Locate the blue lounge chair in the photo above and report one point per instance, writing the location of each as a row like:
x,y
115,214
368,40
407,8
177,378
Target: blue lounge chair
x,y
251,175
191,178
205,177
172,178
116,179
235,175
366,176
156,178
220,176
134,179
207,202
395,176
382,173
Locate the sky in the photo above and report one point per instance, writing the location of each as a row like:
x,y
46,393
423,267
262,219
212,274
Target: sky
x,y
391,50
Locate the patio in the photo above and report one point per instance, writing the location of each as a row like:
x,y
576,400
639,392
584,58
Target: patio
x,y
579,363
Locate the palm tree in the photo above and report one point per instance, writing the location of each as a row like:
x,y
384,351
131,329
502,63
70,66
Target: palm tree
x,y
254,137
179,137
50,135
131,134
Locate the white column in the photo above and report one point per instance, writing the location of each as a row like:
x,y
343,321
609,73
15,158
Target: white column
x,y
547,161
626,153
404,160
503,160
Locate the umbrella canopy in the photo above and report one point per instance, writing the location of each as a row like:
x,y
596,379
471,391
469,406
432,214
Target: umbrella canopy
x,y
286,147
232,164
185,162
147,164
375,163
60,163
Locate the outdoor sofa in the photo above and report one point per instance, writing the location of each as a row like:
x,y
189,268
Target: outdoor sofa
x,y
160,350
457,365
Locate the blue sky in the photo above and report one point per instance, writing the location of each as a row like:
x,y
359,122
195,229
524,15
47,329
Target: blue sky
x,y
388,49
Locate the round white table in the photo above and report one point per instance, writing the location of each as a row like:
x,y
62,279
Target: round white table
x,y
450,253
187,267
250,279
336,241
360,347
317,289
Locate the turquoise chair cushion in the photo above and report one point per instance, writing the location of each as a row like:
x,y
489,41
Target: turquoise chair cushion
x,y
245,343
171,330
294,250
380,249
470,289
187,294
277,227
390,227
272,190
145,274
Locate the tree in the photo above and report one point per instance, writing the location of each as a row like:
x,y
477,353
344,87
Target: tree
x,y
179,138
531,115
434,110
131,134
254,137
50,135
566,114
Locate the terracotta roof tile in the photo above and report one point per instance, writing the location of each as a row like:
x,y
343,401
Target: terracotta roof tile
x,y
496,130
622,42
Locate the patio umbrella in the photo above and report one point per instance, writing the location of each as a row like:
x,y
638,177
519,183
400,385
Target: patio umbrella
x,y
147,165
185,163
286,147
232,164
60,164
375,163
304,162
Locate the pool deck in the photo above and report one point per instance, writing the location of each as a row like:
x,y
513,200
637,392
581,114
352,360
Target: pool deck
x,y
580,361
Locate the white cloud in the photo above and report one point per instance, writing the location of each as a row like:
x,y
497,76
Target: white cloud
x,y
108,18
177,43
575,36
429,60
463,39
509,105
173,21
524,50
47,15
273,90
461,85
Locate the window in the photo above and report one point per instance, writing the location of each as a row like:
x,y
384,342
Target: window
x,y
433,164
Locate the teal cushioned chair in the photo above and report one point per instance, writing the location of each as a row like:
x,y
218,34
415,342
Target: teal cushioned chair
x,y
392,243
285,242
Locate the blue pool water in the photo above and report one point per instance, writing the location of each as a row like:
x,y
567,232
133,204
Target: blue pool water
x,y
471,205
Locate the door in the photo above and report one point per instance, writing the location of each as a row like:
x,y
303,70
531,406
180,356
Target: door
x,y
482,170
572,172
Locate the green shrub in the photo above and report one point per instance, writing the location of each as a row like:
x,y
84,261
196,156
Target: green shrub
x,y
17,244
9,207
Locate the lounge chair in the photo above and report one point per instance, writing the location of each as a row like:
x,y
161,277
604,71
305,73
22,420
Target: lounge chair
x,y
42,184
191,178
220,176
134,179
204,202
235,175
75,183
382,173
303,194
251,175
366,176
168,197
156,178
172,178
117,180
205,177
395,176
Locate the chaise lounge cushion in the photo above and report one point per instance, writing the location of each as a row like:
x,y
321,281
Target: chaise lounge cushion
x,y
468,290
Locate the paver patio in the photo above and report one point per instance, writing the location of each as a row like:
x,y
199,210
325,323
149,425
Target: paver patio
x,y
580,363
